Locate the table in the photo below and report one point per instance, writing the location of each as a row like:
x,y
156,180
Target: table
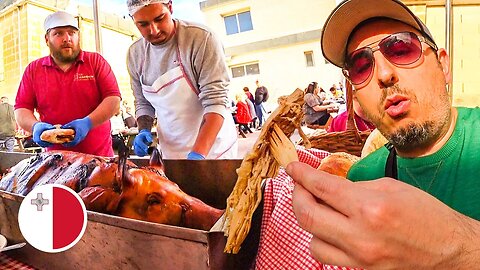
x,y
9,263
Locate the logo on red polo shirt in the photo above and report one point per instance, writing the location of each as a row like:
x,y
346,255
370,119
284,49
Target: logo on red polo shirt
x,y
83,77
52,218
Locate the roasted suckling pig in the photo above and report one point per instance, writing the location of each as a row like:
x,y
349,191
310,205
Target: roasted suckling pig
x,y
114,186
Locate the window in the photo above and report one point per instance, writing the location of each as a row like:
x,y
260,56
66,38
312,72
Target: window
x,y
309,58
243,70
239,22
238,71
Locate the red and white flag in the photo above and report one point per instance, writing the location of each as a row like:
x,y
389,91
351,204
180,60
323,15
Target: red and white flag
x,y
52,218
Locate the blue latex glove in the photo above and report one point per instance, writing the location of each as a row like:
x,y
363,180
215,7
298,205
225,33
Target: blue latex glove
x,y
195,156
38,129
81,127
143,139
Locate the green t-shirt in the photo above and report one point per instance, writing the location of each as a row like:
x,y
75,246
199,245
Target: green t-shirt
x,y
449,174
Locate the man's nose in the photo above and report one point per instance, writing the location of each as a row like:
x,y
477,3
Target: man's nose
x,y
386,72
67,38
153,29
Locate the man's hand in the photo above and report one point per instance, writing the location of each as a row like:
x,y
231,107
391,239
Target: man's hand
x,y
380,224
81,127
38,128
143,139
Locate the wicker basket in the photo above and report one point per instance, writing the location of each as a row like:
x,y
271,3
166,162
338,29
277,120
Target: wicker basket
x,y
350,141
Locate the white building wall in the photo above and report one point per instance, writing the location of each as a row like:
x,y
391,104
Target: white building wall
x,y
282,67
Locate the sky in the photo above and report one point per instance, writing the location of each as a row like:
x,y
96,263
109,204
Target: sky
x,y
182,9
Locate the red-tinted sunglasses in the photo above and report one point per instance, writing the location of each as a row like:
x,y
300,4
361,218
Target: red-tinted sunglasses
x,y
400,49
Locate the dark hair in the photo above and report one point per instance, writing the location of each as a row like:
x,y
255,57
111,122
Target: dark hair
x,y
311,87
245,89
333,88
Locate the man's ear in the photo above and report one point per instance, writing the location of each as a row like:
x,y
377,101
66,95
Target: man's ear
x,y
444,61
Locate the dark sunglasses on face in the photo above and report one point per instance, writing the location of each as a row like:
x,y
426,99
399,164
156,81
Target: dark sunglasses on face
x,y
400,49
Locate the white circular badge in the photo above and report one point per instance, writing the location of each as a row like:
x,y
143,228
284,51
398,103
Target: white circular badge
x,y
52,218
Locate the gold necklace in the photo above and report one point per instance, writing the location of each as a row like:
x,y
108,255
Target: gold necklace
x,y
431,181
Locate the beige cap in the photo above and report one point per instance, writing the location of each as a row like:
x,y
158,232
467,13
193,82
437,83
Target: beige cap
x,y
350,13
59,19
136,5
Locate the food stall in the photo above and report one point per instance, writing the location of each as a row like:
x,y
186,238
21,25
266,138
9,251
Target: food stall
x,y
120,243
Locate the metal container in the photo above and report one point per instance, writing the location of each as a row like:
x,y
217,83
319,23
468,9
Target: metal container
x,y
112,242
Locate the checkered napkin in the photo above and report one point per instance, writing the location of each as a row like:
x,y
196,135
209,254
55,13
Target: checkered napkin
x,y
283,244
8,263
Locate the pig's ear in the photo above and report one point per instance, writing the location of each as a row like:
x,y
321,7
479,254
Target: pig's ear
x,y
99,199
156,158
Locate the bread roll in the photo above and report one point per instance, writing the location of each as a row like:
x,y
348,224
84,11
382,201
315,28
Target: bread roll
x,y
338,163
374,141
58,135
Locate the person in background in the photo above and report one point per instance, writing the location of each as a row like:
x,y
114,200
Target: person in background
x,y
248,94
7,125
261,96
251,108
315,109
415,203
128,118
337,94
243,115
178,73
339,123
251,105
118,127
340,87
70,87
322,94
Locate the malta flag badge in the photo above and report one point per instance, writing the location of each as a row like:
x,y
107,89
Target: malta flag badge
x,y
52,218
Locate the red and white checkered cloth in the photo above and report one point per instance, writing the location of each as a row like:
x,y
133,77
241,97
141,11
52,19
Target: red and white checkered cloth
x,y
9,263
283,244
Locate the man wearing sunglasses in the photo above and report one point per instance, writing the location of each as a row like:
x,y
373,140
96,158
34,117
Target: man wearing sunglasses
x,y
428,218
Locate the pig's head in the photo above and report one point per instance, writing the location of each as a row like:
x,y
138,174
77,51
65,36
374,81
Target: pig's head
x,y
146,194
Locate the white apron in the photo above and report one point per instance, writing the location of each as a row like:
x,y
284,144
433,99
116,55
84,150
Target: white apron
x,y
179,115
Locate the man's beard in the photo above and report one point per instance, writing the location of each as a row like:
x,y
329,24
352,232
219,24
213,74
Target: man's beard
x,y
63,57
413,136
416,134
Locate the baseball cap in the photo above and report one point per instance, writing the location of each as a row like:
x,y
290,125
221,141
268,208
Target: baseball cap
x,y
136,5
59,19
350,13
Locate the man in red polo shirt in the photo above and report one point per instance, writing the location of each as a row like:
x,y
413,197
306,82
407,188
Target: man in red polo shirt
x,y
70,87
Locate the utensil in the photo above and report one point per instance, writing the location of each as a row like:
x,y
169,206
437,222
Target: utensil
x,y
3,244
281,147
19,245
3,241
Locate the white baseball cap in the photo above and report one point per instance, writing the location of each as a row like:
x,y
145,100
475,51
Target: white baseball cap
x,y
136,5
350,13
59,19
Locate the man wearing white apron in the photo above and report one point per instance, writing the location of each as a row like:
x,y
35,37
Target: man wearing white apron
x,y
178,74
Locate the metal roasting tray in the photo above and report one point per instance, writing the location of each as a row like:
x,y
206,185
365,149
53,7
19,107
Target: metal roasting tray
x,y
112,242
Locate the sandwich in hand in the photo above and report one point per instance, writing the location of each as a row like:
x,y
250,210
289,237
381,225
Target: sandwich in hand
x,y
58,135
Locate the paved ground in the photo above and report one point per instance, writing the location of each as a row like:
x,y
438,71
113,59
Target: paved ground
x,y
245,145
